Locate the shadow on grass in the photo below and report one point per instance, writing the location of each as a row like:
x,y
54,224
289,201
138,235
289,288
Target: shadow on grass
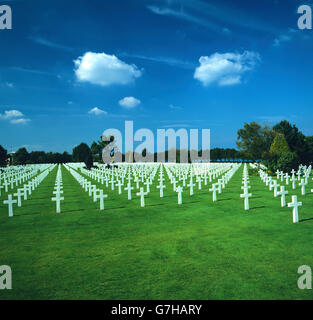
x,y
305,220
105,209
26,214
67,211
260,207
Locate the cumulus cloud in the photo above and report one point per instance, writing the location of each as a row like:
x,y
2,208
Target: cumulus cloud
x,y
97,111
9,114
104,69
225,69
14,116
129,102
20,121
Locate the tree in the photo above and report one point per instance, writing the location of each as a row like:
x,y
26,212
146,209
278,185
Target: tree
x,y
95,149
37,157
82,153
21,156
253,140
279,144
296,140
287,161
3,157
66,157
310,147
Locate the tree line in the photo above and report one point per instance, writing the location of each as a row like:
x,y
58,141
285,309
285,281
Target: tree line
x,y
282,147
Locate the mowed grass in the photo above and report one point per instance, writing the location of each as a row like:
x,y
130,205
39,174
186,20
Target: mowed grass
x,y
199,250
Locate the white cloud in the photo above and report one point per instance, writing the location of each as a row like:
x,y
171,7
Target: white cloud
x,y
104,70
14,116
129,102
20,121
174,107
9,114
289,36
96,111
225,69
280,39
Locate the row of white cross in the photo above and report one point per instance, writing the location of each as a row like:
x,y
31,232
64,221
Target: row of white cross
x,y
17,175
174,172
58,186
245,181
26,190
304,172
97,194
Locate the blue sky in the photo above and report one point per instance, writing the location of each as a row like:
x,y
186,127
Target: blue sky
x,y
66,68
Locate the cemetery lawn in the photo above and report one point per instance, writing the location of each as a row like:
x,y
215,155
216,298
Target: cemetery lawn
x,y
199,250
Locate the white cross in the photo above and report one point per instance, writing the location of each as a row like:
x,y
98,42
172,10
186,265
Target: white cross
x,y
246,195
29,188
275,185
214,189
101,196
219,183
295,204
10,203
282,193
142,195
174,181
19,194
277,173
179,190
293,179
112,183
161,187
58,200
91,190
87,185
147,183
129,190
6,184
199,183
26,191
119,185
302,184
299,174
191,185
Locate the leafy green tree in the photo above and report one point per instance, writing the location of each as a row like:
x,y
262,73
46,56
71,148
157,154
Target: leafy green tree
x,y
3,157
253,140
95,149
21,156
296,140
279,144
82,153
37,157
287,161
66,157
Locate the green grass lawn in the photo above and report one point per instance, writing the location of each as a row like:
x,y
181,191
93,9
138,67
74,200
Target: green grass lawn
x,y
199,250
